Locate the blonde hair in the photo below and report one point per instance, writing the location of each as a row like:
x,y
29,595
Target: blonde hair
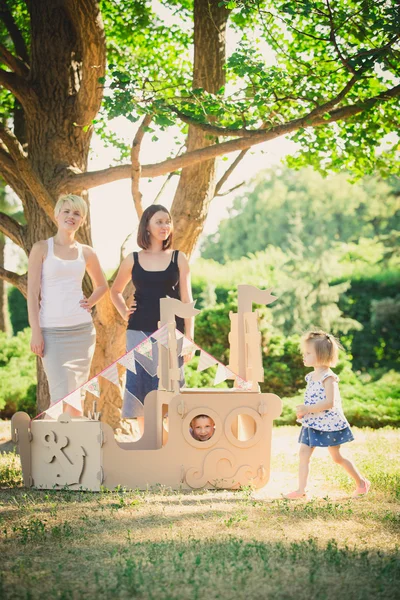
x,y
76,202
326,346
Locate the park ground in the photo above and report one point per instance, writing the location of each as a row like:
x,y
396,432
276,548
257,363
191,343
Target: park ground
x,y
164,544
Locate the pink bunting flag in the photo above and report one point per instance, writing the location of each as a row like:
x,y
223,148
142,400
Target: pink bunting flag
x,y
188,347
93,387
128,361
242,384
206,361
161,335
55,410
221,374
74,399
111,374
145,348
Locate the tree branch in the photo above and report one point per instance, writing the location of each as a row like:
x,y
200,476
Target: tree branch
x,y
136,167
86,18
12,229
225,131
235,187
6,162
93,179
229,172
332,38
13,62
27,172
18,86
19,281
15,34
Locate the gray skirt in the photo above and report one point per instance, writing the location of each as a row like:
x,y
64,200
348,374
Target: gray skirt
x,y
68,353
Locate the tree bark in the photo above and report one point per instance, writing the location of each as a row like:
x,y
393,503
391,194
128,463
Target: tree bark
x,y
196,186
67,58
4,320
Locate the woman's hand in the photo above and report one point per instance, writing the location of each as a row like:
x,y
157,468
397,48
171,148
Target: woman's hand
x,y
37,343
129,311
301,410
84,303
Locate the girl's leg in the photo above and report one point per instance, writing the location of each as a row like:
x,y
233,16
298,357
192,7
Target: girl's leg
x,y
304,466
347,465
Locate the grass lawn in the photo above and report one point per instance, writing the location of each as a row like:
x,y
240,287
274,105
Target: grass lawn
x,y
212,544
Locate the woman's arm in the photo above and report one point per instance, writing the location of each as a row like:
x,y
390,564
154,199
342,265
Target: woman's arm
x,y
331,389
185,287
122,279
35,263
100,286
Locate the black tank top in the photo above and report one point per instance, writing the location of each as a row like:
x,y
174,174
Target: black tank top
x,y
150,287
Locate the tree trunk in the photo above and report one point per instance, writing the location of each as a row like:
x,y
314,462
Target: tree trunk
x,y
197,183
64,83
4,319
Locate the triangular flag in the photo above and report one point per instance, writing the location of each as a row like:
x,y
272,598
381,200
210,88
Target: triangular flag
x,y
145,348
242,384
93,387
221,374
111,374
161,335
178,334
205,361
74,399
187,347
55,410
128,361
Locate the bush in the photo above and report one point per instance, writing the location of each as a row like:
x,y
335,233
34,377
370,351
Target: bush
x,y
18,310
17,374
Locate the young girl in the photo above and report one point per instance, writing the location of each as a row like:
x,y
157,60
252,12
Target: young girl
x,y
63,334
156,272
321,415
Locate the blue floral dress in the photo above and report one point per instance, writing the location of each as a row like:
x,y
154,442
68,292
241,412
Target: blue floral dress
x,y
328,427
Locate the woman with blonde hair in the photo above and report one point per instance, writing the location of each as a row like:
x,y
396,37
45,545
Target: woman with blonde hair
x,y
63,333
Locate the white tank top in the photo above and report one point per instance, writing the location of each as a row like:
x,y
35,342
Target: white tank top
x,y
61,290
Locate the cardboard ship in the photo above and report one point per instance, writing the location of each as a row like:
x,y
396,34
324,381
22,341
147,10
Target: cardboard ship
x,y
84,454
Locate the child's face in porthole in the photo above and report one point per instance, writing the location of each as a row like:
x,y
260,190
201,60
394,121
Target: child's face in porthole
x,y
203,428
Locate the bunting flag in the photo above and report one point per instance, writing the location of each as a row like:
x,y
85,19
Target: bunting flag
x,y
93,387
111,374
128,361
221,375
187,347
205,361
55,410
161,335
74,399
242,384
179,334
145,348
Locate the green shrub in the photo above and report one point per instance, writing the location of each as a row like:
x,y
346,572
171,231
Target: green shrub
x,y
17,374
18,310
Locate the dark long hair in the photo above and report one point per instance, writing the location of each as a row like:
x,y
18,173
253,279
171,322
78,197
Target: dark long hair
x,y
143,236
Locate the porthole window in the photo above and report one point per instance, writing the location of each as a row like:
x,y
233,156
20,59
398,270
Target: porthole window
x,y
202,427
244,427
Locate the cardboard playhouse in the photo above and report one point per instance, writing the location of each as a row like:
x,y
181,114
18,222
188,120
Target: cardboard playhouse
x,y
83,453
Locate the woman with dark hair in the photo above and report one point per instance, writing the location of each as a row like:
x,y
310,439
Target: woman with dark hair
x,y
157,271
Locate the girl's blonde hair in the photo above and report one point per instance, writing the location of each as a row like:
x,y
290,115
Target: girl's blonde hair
x,y
326,346
76,202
